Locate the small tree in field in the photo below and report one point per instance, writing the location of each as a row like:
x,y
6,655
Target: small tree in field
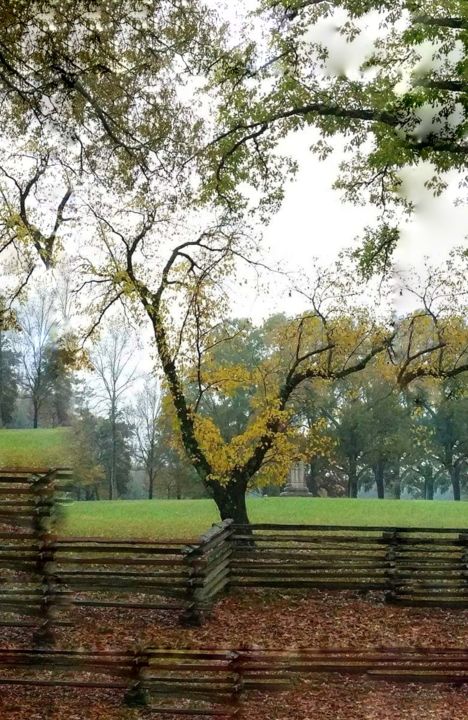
x,y
146,414
114,364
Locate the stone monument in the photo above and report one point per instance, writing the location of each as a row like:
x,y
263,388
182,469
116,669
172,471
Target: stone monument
x,y
296,484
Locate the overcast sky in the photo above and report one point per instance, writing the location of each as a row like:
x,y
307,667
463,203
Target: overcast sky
x,y
315,222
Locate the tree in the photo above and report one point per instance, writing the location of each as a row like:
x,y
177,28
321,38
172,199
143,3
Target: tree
x,y
444,416
146,418
38,328
149,243
8,378
349,428
397,109
88,471
114,364
57,407
114,453
101,95
388,434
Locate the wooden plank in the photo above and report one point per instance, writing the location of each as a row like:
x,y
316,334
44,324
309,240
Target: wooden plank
x,y
127,605
64,683
329,583
81,541
351,528
294,542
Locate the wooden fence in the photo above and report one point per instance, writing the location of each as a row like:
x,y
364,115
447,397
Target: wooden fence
x,y
41,575
28,509
423,566
213,681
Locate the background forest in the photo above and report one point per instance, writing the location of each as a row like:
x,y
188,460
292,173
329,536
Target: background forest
x,y
361,435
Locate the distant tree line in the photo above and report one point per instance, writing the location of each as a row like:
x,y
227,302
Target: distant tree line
x,y
360,433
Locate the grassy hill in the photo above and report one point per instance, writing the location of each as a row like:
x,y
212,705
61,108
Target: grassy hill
x,y
190,518
46,447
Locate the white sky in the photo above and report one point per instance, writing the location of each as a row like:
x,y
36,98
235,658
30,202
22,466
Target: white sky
x,y
314,222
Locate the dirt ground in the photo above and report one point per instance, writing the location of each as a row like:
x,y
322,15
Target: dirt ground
x,y
264,619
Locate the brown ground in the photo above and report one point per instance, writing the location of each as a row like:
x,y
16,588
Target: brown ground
x,y
272,619
268,619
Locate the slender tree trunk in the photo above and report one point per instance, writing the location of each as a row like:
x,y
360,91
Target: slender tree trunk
x,y
397,483
1,379
352,479
35,413
113,468
150,484
455,478
379,478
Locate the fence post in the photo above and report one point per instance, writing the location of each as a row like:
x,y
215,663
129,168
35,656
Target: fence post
x,y
209,570
44,489
137,695
236,668
391,537
463,537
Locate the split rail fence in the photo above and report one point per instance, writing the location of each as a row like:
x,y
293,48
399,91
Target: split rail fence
x,y
420,566
43,575
214,681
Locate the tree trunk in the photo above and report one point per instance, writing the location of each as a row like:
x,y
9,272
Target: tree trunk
x,y
352,479
429,485
455,478
150,485
113,467
397,483
230,500
379,478
35,414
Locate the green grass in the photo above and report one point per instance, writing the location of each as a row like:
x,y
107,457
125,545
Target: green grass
x,y
40,447
190,518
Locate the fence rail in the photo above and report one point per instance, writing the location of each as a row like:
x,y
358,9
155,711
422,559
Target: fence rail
x,y
423,566
191,681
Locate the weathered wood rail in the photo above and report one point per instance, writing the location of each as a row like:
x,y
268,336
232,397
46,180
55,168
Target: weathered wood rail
x,y
188,681
423,566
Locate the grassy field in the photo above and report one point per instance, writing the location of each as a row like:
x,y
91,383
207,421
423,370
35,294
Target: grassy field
x,y
190,518
45,447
